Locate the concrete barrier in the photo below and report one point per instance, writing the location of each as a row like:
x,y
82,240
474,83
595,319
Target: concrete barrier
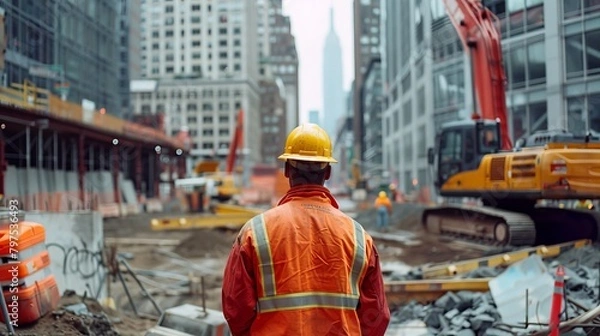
x,y
75,243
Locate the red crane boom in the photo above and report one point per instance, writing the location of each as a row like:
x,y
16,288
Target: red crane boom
x,y
236,142
476,27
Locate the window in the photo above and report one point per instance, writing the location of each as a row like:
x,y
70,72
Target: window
x,y
536,61
207,119
207,107
191,107
576,116
207,132
517,67
519,121
422,142
451,146
207,145
223,119
592,41
574,55
407,113
223,131
196,31
195,19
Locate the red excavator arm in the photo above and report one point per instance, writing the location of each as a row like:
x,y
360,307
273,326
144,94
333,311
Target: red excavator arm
x,y
476,27
236,142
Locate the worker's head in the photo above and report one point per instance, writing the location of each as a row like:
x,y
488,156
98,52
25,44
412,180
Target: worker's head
x,y
382,194
392,186
307,155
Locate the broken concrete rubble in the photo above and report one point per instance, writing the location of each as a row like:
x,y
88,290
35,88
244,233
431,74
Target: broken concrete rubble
x,y
471,313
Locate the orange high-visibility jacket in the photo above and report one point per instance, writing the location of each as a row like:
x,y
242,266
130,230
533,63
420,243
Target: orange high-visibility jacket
x,y
383,201
304,268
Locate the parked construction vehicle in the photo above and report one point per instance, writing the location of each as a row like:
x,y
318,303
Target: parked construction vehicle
x,y
226,184
476,159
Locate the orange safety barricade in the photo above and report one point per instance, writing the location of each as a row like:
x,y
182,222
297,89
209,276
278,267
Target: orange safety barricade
x,y
28,285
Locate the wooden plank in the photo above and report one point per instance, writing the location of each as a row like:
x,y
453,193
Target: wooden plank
x,y
141,241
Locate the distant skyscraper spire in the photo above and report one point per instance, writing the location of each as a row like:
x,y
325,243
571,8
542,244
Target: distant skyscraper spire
x,y
331,19
333,92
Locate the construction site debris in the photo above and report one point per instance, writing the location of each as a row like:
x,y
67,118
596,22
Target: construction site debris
x,y
75,315
503,310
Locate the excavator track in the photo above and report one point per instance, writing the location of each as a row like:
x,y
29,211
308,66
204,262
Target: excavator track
x,y
499,227
483,225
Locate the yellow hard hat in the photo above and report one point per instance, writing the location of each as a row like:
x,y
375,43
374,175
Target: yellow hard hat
x,y
308,142
382,194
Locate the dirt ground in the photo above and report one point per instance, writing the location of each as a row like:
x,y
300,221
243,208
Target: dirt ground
x,y
173,281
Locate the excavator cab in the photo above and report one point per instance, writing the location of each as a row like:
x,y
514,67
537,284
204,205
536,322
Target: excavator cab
x,y
460,145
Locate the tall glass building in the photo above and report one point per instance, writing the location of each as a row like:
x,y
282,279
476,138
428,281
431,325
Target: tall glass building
x,y
552,62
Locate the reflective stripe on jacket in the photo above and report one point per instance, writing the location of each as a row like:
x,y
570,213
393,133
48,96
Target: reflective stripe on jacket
x,y
304,268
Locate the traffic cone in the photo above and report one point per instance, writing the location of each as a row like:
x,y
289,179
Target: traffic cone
x,y
557,299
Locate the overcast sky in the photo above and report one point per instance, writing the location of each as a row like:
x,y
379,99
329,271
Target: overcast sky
x,y
310,24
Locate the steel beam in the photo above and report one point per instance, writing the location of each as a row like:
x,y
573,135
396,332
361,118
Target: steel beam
x,y
138,170
115,172
81,167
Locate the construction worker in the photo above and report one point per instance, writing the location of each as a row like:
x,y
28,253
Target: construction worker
x,y
584,204
384,210
304,267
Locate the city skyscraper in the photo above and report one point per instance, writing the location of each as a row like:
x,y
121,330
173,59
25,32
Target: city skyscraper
x,y
333,92
201,63
129,49
367,20
68,47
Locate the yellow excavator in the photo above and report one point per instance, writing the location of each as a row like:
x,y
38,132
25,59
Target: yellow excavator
x,y
476,159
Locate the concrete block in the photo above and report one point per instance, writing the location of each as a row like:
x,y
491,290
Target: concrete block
x,y
451,314
481,322
448,302
432,318
74,241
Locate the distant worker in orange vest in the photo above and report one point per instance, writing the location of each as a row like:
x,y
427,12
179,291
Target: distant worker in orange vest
x,y
384,210
304,267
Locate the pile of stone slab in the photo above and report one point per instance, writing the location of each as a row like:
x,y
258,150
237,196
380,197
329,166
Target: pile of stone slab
x,y
518,302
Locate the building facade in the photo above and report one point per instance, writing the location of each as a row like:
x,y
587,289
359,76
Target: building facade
x,y
204,56
372,139
367,34
129,37
64,46
407,71
550,55
207,110
273,119
283,61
